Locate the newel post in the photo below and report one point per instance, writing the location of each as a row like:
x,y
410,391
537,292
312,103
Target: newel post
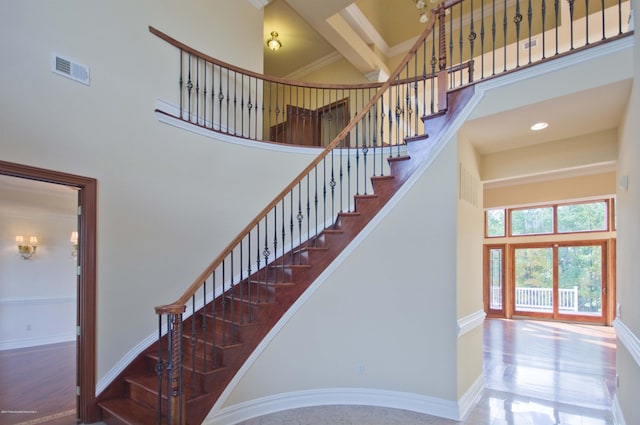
x,y
171,368
442,62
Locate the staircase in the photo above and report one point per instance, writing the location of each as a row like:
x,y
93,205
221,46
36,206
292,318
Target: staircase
x,y
133,397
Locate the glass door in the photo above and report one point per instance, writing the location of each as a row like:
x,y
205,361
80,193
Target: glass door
x,y
533,281
580,280
494,288
560,281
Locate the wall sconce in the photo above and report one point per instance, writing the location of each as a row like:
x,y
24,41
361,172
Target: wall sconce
x,y
74,241
273,43
29,249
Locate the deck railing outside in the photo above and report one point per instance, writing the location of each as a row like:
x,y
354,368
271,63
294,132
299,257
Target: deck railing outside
x,y
357,129
540,299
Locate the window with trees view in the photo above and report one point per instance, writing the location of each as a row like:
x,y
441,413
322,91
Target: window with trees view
x,y
545,220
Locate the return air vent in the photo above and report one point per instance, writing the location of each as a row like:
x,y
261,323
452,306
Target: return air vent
x,y
530,44
70,69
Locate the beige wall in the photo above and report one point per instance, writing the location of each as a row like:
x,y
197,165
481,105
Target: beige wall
x,y
37,296
470,233
628,266
585,150
600,185
379,309
160,189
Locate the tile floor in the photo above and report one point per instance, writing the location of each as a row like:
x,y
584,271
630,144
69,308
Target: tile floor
x,y
536,373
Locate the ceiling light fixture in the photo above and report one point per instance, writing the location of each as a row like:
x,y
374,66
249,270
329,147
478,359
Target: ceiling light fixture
x,y
423,12
539,126
273,43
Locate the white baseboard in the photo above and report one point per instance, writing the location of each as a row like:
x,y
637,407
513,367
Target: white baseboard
x,y
618,417
470,322
36,341
628,339
470,398
343,396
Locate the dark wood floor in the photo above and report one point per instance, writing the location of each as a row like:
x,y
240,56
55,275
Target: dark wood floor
x,y
37,385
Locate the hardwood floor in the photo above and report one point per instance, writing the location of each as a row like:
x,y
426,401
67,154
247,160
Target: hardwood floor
x,y
536,373
38,385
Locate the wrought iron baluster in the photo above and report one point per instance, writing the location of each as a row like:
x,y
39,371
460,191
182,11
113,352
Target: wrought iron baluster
x,y
214,316
544,19
571,9
603,20
472,39
189,89
315,198
235,103
240,287
275,243
517,19
586,20
493,37
197,90
249,283
291,237
283,234
193,342
308,210
203,326
232,314
228,101
529,18
205,98
556,7
504,36
265,254
160,368
220,99
482,34
223,300
241,105
299,218
451,76
434,61
460,41
181,83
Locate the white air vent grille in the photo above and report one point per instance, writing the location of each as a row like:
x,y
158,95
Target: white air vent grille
x,y
70,69
530,44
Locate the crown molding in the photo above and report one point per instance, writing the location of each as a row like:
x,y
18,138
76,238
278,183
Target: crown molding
x,y
259,4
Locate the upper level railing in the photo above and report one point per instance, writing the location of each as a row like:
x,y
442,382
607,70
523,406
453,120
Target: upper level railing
x,y
358,128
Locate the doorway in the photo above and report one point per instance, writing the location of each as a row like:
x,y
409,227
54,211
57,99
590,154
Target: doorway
x,y
87,411
561,281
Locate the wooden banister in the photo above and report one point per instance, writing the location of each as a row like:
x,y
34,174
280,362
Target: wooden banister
x,y
191,290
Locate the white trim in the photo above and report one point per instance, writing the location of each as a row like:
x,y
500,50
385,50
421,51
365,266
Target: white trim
x,y
363,27
36,341
314,66
169,108
555,65
628,339
335,396
37,301
470,322
470,398
259,4
616,409
131,355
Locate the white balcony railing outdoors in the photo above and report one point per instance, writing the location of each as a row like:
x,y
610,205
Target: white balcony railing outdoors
x,y
540,299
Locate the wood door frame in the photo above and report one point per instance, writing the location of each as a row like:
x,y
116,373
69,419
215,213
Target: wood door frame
x,y
555,315
87,411
487,281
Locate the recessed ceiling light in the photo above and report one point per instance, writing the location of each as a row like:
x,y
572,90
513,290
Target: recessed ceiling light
x,y
539,126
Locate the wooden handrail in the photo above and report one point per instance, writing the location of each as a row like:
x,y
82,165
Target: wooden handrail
x,y
191,290
254,74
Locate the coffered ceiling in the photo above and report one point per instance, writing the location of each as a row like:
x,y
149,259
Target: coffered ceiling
x,y
367,33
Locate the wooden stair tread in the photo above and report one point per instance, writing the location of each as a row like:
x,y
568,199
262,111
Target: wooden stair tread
x,y
129,412
268,301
